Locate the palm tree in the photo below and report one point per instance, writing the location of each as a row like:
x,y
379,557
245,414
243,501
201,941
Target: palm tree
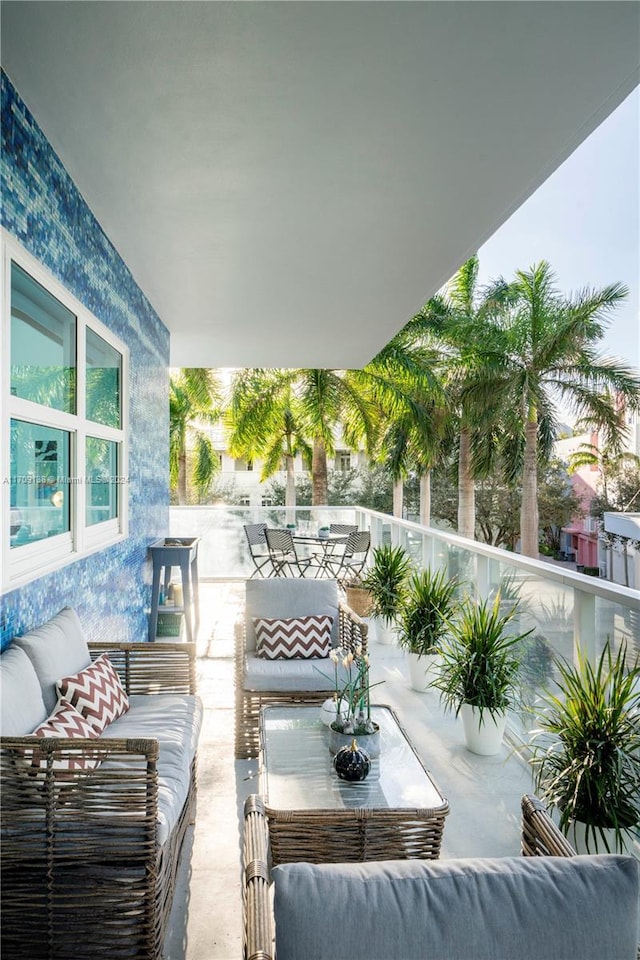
x,y
194,398
463,320
549,354
278,413
403,384
264,420
330,398
413,443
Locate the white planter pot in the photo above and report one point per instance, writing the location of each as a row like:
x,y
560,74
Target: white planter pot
x,y
486,738
385,631
584,840
423,670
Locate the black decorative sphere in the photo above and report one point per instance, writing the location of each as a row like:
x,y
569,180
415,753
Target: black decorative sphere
x,y
352,763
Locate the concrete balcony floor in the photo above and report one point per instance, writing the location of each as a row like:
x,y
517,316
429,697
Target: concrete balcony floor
x,y
483,792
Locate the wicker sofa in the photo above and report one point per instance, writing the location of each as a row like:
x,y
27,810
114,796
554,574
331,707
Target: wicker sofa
x,y
90,850
547,905
261,682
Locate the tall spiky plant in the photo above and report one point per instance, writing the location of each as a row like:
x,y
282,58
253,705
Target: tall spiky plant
x,y
429,605
479,660
586,748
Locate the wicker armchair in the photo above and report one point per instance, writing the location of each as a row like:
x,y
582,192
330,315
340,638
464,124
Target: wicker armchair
x,y
540,838
540,835
279,598
84,871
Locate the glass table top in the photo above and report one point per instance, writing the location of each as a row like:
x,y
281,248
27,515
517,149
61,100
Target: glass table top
x,y
297,766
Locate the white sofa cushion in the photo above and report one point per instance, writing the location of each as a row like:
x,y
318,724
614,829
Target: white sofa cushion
x,y
289,675
174,721
56,649
22,708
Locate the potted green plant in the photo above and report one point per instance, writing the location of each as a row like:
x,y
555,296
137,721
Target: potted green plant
x,y
428,605
478,676
386,580
586,750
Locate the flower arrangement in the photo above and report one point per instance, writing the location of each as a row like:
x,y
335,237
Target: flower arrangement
x,y
353,697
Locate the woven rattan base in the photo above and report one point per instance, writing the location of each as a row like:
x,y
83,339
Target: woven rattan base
x,y
65,902
354,835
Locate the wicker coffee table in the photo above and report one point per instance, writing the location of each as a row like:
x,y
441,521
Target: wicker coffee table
x,y
398,812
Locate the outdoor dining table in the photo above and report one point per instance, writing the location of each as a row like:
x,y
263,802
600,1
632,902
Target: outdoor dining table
x,y
316,538
327,543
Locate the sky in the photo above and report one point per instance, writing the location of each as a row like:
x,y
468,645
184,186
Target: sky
x,y
585,220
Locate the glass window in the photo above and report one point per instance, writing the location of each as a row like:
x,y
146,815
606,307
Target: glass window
x,y
40,487
43,345
101,480
67,451
104,373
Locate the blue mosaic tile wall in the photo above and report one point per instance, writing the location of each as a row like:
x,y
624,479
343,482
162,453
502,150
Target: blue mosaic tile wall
x,y
43,209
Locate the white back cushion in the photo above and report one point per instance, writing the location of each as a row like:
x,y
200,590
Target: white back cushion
x,y
56,649
22,708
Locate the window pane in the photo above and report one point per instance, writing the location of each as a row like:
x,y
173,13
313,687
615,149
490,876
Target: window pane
x,y
40,485
104,370
102,486
43,345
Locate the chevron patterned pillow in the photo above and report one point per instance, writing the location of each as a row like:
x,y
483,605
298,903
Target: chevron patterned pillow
x,y
66,722
295,638
96,692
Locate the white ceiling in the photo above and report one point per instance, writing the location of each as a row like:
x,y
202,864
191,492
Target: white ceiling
x,y
288,182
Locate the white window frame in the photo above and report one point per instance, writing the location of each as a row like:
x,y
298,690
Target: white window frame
x,y
31,561
343,460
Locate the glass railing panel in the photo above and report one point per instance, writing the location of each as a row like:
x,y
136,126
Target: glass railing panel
x,y
460,563
223,552
546,608
562,609
620,623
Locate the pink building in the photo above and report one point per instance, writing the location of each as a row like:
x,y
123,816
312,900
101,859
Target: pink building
x,y
580,538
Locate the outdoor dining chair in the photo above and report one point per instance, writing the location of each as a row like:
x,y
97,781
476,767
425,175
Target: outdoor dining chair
x,y
333,547
258,549
284,557
342,529
348,564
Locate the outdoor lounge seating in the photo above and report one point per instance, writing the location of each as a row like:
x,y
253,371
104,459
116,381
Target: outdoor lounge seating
x,y
512,908
260,681
93,823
